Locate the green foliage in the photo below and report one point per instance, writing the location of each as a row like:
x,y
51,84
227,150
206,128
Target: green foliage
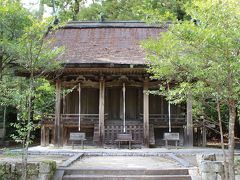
x,y
147,10
26,50
120,10
201,58
44,100
193,55
7,152
90,13
13,21
156,11
36,60
65,9
23,127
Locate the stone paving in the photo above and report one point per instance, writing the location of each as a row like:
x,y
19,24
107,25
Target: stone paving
x,y
126,162
181,157
90,150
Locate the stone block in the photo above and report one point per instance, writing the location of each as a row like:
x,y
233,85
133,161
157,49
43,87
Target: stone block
x,y
33,168
211,167
2,168
33,177
205,157
44,177
46,170
8,168
46,167
209,176
13,168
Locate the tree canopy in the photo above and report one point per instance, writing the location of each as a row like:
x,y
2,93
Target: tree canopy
x,y
202,57
151,10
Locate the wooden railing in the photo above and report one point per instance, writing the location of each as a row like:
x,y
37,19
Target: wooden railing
x,y
155,119
73,118
115,127
162,119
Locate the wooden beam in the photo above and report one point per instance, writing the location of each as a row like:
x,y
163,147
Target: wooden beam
x,y
145,114
58,125
189,128
101,110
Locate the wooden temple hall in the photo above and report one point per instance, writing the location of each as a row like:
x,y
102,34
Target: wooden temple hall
x,y
102,89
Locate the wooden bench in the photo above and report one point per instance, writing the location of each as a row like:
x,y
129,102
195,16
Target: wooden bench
x,y
124,138
77,137
171,137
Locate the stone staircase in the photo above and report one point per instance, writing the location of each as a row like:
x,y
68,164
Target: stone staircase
x,y
126,174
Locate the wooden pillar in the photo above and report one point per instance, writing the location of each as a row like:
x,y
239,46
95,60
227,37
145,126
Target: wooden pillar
x,y
189,127
65,136
162,105
79,107
145,114
121,105
101,110
124,108
58,124
43,135
204,134
47,137
139,103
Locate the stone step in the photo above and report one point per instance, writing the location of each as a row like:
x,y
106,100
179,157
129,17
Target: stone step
x,y
127,177
72,171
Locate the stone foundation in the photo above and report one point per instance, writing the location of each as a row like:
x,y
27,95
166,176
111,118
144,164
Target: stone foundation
x,y
36,171
209,168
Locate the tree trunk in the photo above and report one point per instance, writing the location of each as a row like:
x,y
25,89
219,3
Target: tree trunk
x,y
1,65
237,125
41,10
222,141
232,118
4,122
76,7
29,119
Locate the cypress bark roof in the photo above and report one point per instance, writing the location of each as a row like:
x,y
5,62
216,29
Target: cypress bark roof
x,y
105,42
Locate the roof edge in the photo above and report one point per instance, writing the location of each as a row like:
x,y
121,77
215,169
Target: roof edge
x,y
113,24
102,65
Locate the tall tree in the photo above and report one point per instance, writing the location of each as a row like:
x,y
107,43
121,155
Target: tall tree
x,y
35,60
13,20
203,54
65,10
154,10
